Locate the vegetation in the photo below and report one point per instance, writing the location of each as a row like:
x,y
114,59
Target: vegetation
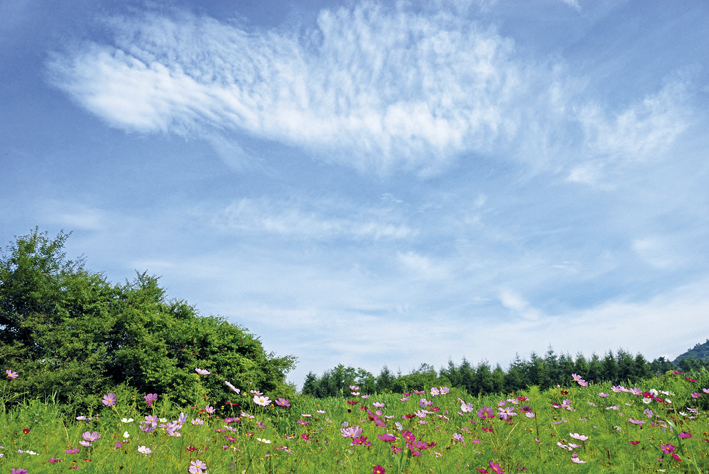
x,y
74,336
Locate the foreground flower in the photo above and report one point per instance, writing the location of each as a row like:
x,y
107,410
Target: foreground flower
x,y
197,467
351,432
109,400
496,468
144,450
231,386
282,402
378,469
89,436
261,400
150,398
11,374
19,471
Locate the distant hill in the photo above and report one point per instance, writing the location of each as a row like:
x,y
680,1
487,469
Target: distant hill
x,y
700,351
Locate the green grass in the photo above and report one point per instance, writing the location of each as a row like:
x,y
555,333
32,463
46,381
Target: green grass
x,y
522,443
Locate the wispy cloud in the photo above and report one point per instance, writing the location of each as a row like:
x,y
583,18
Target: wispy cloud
x,y
318,220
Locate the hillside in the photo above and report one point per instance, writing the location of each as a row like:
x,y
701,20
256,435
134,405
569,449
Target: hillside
x,y
700,351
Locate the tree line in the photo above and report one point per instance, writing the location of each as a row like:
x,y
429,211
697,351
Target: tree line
x,y
545,371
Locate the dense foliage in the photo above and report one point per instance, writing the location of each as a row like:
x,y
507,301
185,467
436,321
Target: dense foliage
x,y
71,333
545,372
699,352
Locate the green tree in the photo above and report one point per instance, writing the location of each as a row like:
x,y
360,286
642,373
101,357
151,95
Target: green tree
x,y
68,331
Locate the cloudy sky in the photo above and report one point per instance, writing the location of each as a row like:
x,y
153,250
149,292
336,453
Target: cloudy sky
x,y
374,183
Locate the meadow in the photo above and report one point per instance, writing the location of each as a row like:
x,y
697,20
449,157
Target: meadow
x,y
660,425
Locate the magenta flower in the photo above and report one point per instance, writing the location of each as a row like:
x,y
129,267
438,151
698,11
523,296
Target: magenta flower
x,y
73,451
696,395
387,437
53,460
109,400
282,402
684,435
496,468
408,436
11,374
19,471
378,470
667,448
485,412
150,398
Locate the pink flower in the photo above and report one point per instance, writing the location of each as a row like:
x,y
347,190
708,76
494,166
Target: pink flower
x,y
109,400
378,469
201,371
578,436
282,402
351,432
496,468
150,398
387,437
53,460
484,471
667,448
485,412
696,395
684,435
89,436
228,384
11,374
73,451
691,380
408,436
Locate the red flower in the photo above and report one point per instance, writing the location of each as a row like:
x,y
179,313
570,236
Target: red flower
x,y
26,430
564,392
634,442
190,448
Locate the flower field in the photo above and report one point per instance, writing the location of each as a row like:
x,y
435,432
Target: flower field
x,y
659,426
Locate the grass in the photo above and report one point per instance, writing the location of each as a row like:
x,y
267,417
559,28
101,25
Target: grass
x,y
275,439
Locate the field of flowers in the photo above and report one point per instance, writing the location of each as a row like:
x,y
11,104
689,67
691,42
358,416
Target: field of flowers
x,y
660,426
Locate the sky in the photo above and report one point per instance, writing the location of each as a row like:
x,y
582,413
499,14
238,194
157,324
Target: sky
x,y
376,183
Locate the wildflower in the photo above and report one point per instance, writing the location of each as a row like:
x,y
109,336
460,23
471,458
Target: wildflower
x,y
387,437
484,471
19,471
691,380
444,390
696,395
360,440
127,420
575,459
197,467
73,451
435,391
109,400
405,399
354,388
617,388
667,448
458,437
351,432
201,371
423,403
266,441
197,421
150,398
145,450
529,414
636,422
576,377
126,434
684,435
378,404
256,392
602,395
408,436
11,374
466,407
485,412
675,457
322,412
26,430
209,409
261,400
226,382
364,397
88,436
378,469
53,460
506,413
634,443
496,468
117,446
282,402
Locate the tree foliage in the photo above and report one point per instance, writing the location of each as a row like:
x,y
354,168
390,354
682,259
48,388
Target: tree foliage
x,y
70,332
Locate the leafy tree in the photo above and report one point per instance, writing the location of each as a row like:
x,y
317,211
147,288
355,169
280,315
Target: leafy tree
x,y
68,331
385,380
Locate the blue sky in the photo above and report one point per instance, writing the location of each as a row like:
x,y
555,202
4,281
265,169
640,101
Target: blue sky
x,y
374,183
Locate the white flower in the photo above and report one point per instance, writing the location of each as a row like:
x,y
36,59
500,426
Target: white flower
x,y
163,420
126,435
267,441
668,400
261,400
127,420
144,450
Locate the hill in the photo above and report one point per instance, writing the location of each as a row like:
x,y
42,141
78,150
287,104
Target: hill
x,y
700,351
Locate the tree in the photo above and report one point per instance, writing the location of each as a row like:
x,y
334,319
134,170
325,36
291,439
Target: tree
x,y
67,330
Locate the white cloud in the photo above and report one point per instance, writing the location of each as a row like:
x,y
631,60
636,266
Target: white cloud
x,y
573,4
321,220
